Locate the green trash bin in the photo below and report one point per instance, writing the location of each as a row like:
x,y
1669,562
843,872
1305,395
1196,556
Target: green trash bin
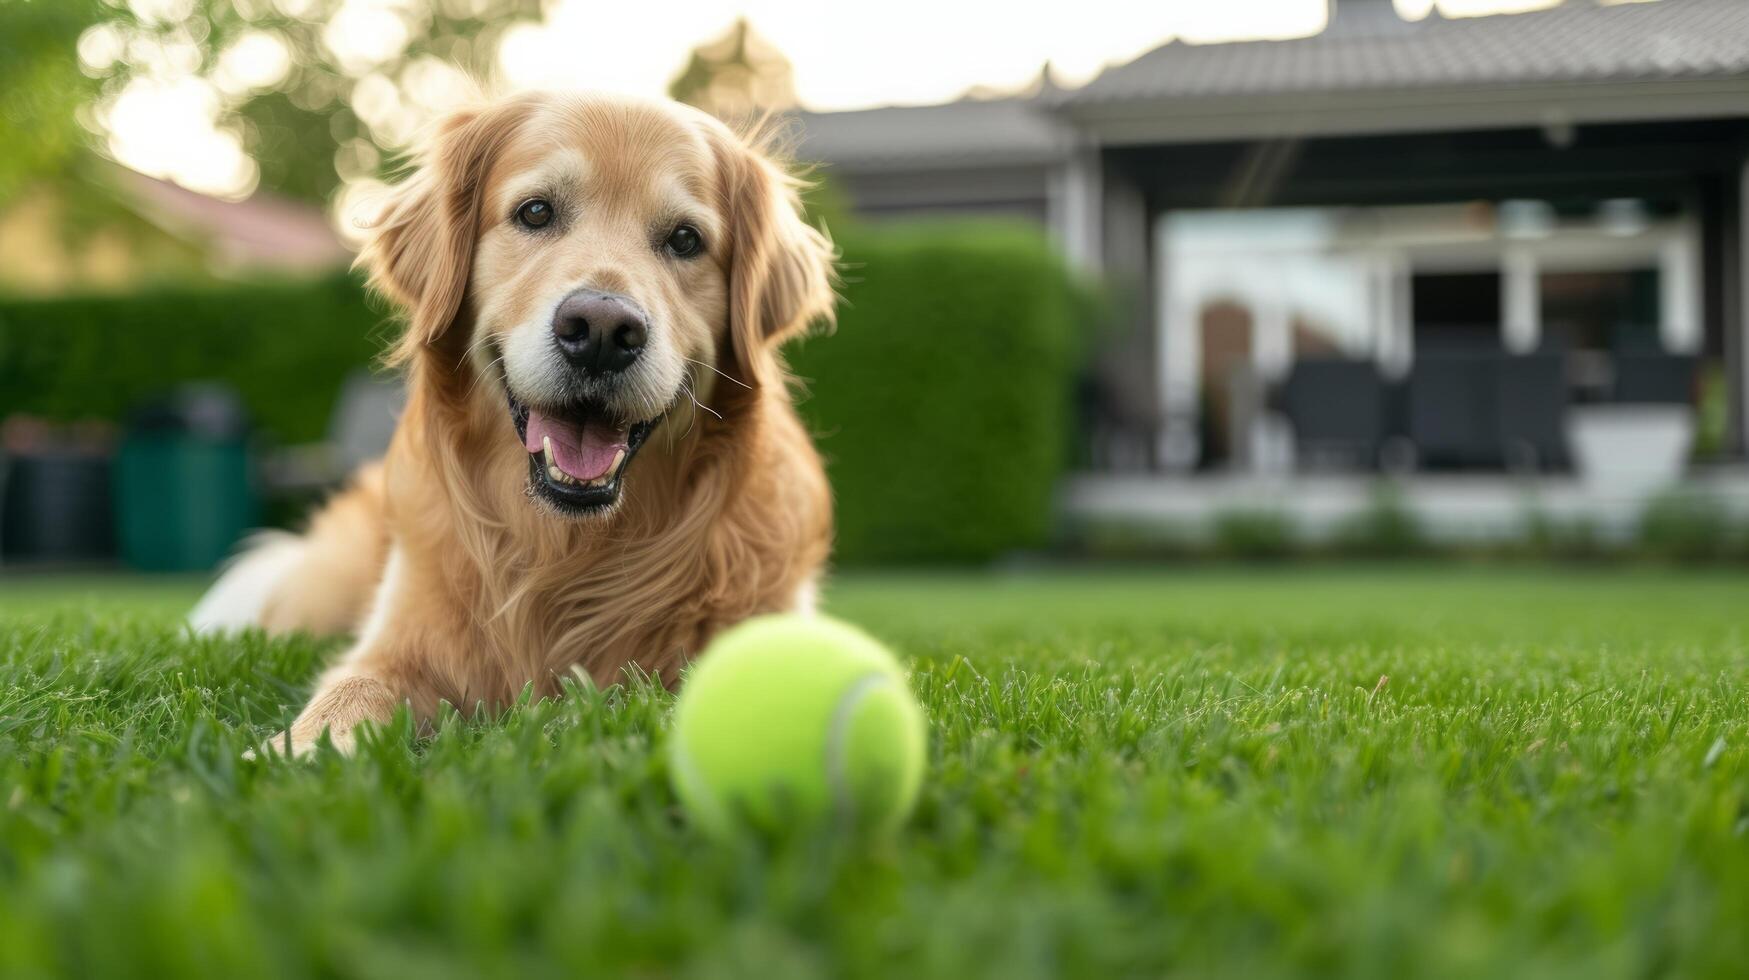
x,y
184,486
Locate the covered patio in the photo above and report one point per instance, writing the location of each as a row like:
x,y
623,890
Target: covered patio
x,y
1506,244
1498,261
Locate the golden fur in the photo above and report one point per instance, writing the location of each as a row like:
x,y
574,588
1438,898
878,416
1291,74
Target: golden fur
x,y
459,586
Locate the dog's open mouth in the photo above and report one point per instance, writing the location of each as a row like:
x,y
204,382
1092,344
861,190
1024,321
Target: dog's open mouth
x,y
577,456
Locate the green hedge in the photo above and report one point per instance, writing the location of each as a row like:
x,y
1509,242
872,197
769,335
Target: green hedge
x,y
285,347
941,403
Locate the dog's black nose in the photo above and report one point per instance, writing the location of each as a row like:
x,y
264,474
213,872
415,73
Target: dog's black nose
x,y
601,333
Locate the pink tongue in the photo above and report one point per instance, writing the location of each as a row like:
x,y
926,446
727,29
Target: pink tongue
x,y
583,450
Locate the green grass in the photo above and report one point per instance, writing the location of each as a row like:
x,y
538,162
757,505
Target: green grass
x,y
1197,773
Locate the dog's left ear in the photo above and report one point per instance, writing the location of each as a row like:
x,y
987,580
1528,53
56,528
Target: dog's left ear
x,y
781,269
421,250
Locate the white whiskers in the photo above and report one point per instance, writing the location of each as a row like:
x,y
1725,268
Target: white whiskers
x,y
713,369
686,386
484,339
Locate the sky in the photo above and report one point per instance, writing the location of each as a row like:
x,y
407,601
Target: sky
x,y
856,55
845,56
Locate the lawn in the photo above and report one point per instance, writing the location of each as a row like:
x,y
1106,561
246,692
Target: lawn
x,y
1375,772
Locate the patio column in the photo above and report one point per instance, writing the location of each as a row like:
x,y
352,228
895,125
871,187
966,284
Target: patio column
x,y
1076,203
1123,253
1520,315
1736,346
1679,300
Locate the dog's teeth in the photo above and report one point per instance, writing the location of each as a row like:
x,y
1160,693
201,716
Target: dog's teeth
x,y
618,458
558,475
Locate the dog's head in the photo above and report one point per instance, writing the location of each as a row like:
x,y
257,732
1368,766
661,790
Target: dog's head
x,y
596,265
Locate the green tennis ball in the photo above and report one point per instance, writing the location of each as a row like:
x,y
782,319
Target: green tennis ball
x,y
790,719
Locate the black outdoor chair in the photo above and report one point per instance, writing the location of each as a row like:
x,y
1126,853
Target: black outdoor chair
x,y
1655,379
1488,409
1337,410
1453,414
1530,397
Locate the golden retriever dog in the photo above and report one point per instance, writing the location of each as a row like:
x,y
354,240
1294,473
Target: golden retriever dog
x,y
599,464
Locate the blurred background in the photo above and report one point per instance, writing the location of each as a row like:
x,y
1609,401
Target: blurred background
x,y
1260,279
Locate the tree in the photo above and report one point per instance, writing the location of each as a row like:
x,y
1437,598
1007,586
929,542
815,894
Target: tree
x,y
41,89
737,75
314,91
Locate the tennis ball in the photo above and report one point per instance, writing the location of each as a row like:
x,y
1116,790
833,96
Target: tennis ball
x,y
790,719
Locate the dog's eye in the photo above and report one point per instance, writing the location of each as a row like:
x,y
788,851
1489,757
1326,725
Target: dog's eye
x,y
534,214
685,241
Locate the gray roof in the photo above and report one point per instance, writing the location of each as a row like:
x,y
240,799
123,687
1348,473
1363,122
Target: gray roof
x,y
1579,41
960,134
1370,71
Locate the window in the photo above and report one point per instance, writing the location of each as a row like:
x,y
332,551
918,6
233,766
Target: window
x,y
1613,312
1456,311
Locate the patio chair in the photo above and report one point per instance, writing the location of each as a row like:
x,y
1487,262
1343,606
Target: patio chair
x,y
1452,411
1655,379
1336,407
359,430
1530,404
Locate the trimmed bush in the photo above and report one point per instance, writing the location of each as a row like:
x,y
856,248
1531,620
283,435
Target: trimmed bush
x,y
1387,528
1558,539
1255,535
1685,528
285,348
942,402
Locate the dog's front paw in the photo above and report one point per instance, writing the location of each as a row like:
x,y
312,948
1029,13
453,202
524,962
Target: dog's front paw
x,y
336,710
286,745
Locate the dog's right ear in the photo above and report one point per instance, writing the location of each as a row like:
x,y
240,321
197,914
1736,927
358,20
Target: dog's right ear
x,y
421,248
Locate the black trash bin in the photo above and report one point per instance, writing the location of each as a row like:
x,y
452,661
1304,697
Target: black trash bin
x,y
184,486
55,494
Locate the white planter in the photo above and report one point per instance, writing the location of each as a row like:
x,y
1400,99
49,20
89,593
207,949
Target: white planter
x,y
1630,450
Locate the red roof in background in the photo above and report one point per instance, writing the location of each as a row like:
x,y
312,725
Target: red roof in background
x,y
263,231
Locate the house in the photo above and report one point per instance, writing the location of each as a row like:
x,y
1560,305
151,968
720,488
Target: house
x,y
105,227
1500,258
